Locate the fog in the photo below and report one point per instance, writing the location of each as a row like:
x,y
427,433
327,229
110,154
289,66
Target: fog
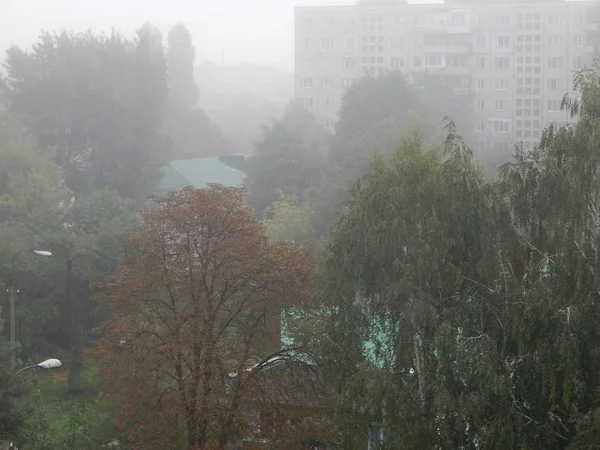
x,y
226,31
248,224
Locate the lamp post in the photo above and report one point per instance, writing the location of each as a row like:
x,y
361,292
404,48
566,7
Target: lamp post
x,y
12,295
51,363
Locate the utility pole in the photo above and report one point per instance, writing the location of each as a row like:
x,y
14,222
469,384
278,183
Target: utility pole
x,y
12,295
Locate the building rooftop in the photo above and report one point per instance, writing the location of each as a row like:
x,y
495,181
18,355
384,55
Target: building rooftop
x,y
198,173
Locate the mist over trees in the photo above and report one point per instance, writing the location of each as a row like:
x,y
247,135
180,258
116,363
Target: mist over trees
x,y
192,132
374,282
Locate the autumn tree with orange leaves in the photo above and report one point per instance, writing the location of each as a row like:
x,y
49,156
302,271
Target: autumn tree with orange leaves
x,y
194,320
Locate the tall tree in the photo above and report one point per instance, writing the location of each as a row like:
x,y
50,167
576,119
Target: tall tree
x,y
418,228
193,305
98,101
370,101
191,131
29,181
289,159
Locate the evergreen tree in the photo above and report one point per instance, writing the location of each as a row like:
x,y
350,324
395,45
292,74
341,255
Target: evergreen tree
x,y
191,132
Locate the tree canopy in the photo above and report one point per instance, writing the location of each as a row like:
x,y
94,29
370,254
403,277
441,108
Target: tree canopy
x,y
97,102
193,305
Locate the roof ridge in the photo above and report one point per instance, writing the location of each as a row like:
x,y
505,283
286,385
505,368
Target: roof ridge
x,y
179,173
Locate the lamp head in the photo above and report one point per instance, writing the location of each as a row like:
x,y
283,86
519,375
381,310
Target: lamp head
x,y
51,363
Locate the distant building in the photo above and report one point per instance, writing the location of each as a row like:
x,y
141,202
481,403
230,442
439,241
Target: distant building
x,y
515,59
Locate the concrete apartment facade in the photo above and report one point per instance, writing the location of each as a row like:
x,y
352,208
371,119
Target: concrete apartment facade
x,y
515,59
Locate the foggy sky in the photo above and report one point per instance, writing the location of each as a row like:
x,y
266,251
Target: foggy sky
x,y
229,31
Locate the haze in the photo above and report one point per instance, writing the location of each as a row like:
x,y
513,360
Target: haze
x,y
228,31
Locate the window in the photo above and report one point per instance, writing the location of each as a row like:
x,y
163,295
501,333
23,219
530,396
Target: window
x,y
480,86
348,63
556,84
500,105
481,62
555,62
351,21
555,40
329,123
555,19
307,102
480,126
502,41
501,84
398,21
457,17
553,105
396,62
306,83
481,42
329,21
480,104
351,42
328,103
348,82
308,23
577,63
578,40
502,62
327,43
503,19
326,82
434,60
500,126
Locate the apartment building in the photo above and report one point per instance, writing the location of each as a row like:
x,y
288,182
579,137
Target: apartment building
x,y
514,59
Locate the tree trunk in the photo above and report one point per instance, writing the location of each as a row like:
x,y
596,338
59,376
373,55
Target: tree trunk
x,y
77,330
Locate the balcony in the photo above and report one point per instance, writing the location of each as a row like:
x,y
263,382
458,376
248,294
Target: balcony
x,y
443,49
461,91
457,70
458,49
458,28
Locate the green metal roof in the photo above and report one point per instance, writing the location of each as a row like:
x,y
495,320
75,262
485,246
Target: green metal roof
x,y
199,172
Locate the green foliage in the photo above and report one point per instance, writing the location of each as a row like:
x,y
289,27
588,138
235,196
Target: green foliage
x,y
370,101
191,132
290,221
288,159
98,101
29,182
409,240
488,292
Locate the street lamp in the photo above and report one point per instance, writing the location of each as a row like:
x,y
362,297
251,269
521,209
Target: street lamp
x,y
51,363
12,294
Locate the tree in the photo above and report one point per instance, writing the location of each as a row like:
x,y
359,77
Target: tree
x,y
446,299
191,131
341,170
553,196
88,248
370,101
98,101
287,160
29,181
291,221
193,304
396,283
